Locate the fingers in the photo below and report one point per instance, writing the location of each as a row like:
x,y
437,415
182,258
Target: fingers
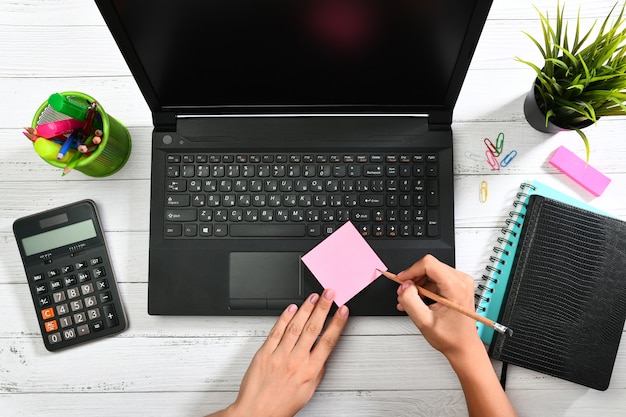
x,y
315,322
331,335
295,327
277,332
410,301
301,328
447,279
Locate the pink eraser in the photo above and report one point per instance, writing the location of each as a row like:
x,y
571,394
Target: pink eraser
x,y
577,169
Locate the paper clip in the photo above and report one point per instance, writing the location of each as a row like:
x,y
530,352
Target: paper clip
x,y
508,158
483,191
491,147
499,143
491,160
475,157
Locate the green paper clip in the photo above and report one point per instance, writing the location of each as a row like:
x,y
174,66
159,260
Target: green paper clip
x,y
500,142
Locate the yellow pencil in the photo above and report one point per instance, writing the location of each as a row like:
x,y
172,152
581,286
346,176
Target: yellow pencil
x,y
500,328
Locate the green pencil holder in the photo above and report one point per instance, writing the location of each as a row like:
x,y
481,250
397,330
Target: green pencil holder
x,y
110,155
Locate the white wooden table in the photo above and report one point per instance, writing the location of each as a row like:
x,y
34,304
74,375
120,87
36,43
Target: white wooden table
x,y
189,366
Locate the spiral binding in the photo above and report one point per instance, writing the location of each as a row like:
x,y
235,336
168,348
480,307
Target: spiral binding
x,y
489,280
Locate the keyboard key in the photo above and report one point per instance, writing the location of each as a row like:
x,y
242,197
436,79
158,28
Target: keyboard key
x,y
432,193
181,215
371,200
267,230
433,223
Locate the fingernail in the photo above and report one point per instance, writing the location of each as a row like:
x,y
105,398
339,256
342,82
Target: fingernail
x,y
329,294
292,308
313,298
343,311
403,287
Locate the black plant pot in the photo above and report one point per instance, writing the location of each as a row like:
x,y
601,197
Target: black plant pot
x,y
536,116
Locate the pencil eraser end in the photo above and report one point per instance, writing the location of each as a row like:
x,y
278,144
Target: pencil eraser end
x,y
577,169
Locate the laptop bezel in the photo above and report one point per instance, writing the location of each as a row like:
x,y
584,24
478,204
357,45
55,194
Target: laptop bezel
x,y
441,114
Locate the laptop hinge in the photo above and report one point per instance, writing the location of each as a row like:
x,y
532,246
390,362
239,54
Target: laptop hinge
x,y
439,117
164,121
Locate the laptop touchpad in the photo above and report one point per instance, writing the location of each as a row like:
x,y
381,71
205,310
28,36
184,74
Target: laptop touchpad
x,y
265,280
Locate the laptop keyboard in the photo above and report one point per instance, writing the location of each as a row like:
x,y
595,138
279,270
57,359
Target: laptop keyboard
x,y
385,195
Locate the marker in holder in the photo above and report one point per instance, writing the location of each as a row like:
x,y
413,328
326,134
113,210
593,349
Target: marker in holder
x,y
106,159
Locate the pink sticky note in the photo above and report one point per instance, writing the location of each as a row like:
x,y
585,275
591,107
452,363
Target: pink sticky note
x,y
345,262
577,169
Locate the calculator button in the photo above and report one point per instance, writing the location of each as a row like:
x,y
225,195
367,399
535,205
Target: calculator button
x,y
81,264
102,284
99,272
70,280
67,269
76,305
41,289
53,273
69,334
58,297
105,297
47,313
44,301
38,277
110,315
54,338
95,261
86,288
51,326
90,301
65,321
73,293
84,276
83,330
56,284
93,314
80,317
97,325
62,309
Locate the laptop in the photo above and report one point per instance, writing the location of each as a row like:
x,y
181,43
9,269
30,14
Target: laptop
x,y
276,122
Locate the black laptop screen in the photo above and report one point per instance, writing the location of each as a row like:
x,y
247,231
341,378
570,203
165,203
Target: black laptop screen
x,y
297,53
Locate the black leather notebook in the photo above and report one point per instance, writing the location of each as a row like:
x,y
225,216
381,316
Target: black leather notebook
x,y
566,301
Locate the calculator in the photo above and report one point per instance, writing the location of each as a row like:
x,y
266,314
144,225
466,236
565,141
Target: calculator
x,y
70,275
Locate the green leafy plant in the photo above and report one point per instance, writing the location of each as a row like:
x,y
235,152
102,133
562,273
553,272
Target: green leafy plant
x,y
582,80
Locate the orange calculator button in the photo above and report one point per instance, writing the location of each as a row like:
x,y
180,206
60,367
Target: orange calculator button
x,y
47,313
51,326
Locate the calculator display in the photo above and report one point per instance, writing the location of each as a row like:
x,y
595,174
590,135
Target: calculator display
x,y
56,238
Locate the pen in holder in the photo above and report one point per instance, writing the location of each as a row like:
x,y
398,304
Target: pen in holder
x,y
107,152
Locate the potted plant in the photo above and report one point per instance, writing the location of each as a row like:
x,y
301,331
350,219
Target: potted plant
x,y
580,80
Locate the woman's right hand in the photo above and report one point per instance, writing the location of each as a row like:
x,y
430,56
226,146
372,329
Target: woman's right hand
x,y
454,334
445,329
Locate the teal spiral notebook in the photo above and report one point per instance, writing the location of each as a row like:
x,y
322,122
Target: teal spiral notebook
x,y
491,291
